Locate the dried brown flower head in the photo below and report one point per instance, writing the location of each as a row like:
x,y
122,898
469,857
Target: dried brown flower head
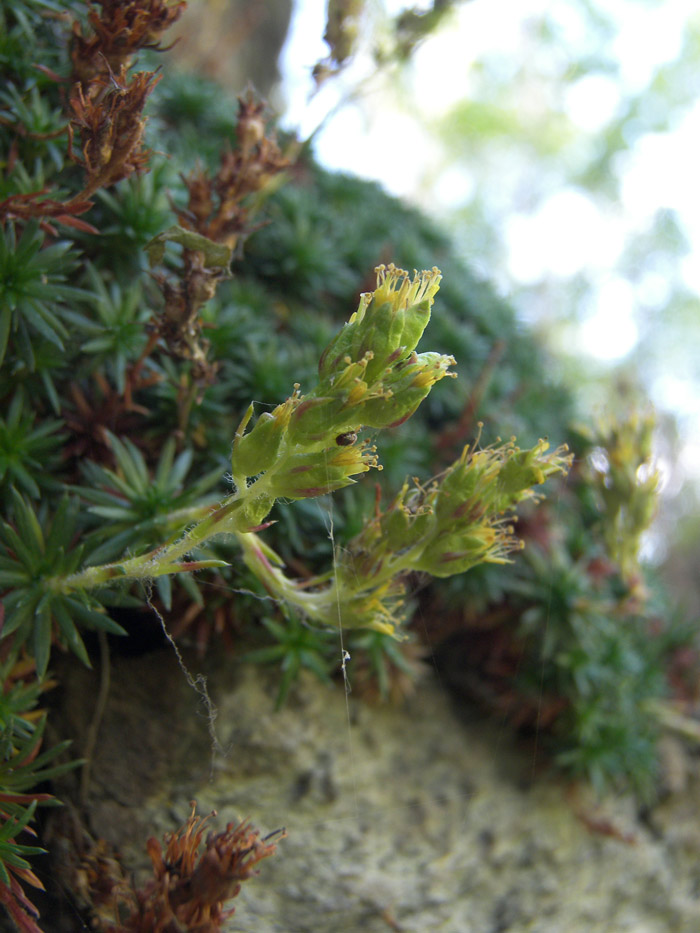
x,y
216,207
218,212
116,32
111,126
189,890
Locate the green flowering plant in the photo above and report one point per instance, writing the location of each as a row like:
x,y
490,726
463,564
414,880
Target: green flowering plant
x,y
370,376
627,482
152,282
461,519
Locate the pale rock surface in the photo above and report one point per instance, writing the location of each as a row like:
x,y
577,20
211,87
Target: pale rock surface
x,y
419,819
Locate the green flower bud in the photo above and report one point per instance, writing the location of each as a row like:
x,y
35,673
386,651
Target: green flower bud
x,y
392,411
307,475
522,470
405,387
333,357
379,609
337,408
314,419
347,377
381,337
388,323
429,368
465,491
448,554
408,519
257,450
416,320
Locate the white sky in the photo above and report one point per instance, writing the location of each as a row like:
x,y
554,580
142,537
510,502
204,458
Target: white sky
x,y
567,234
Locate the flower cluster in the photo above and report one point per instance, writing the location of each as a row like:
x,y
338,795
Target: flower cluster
x,y
627,483
105,107
108,114
214,224
116,32
369,376
219,206
105,104
461,519
190,888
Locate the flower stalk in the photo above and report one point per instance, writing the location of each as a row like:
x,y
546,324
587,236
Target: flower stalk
x,y
369,376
